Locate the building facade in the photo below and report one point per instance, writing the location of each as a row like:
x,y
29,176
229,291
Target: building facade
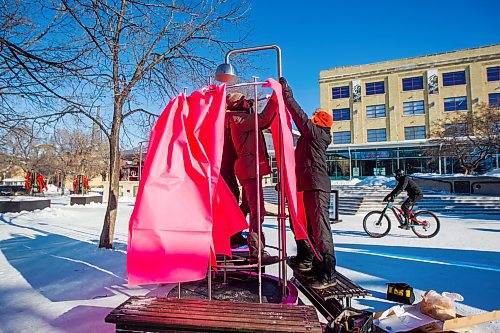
x,y
384,113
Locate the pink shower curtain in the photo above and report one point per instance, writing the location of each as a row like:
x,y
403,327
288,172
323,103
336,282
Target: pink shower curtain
x,y
178,216
184,211
283,120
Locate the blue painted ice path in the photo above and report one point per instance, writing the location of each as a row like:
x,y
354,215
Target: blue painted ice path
x,y
456,263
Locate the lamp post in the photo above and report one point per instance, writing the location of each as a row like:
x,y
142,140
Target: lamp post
x,y
140,158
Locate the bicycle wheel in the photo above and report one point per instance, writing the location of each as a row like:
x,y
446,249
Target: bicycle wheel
x,y
376,224
425,224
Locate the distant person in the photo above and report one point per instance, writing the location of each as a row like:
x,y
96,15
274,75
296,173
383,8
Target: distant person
x,y
242,127
313,180
405,183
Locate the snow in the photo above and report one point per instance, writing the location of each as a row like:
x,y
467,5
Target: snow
x,y
493,173
55,279
368,181
378,180
51,188
352,181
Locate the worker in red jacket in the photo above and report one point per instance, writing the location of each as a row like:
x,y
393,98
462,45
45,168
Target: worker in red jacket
x,y
241,122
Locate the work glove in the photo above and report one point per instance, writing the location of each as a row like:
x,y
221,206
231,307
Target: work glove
x,y
287,91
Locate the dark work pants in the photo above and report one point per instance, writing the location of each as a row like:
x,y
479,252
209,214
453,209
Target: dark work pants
x,y
232,183
250,191
410,202
316,204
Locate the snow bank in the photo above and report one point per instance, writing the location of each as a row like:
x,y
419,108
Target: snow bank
x,y
53,189
352,181
493,173
377,180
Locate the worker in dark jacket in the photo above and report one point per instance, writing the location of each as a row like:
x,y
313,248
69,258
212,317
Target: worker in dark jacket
x,y
412,189
313,180
242,128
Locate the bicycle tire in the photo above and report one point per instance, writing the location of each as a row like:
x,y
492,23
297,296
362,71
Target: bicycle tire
x,y
431,219
367,222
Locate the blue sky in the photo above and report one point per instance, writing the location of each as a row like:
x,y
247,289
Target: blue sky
x,y
317,35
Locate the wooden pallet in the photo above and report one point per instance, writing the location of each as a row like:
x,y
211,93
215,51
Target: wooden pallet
x,y
161,314
329,301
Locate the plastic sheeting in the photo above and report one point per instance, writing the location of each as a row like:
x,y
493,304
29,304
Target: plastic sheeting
x,y
178,216
184,211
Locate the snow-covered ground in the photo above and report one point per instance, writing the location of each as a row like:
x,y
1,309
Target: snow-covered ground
x,y
55,279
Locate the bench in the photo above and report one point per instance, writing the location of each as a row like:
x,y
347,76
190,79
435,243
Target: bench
x,y
330,301
162,314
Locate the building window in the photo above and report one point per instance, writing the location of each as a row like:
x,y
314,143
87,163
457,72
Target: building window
x,y
453,78
413,83
375,88
375,111
341,114
455,129
414,132
375,135
342,137
413,108
455,103
340,92
493,73
494,99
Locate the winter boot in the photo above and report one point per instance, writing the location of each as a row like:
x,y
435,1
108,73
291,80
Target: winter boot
x,y
304,258
326,277
253,247
238,240
323,282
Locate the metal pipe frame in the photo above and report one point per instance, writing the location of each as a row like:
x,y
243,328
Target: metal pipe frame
x,y
258,48
281,192
259,183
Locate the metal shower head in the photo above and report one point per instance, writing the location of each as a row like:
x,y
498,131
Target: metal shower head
x,y
226,73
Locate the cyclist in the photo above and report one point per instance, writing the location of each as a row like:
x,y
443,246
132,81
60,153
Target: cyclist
x,y
412,189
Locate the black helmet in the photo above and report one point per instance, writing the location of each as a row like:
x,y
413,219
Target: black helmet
x,y
399,173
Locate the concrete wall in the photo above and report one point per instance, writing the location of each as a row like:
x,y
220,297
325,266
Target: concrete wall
x,y
128,189
482,185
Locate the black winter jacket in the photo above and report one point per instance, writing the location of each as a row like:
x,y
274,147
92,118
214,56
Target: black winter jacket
x,y
310,153
407,184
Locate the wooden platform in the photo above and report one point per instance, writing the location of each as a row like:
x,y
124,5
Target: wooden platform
x,y
160,314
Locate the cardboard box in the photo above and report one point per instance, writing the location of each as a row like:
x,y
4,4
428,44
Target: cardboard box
x,y
407,318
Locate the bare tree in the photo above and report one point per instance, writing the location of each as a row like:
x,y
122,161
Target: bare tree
x,y
20,148
122,57
144,52
468,137
35,62
78,152
67,152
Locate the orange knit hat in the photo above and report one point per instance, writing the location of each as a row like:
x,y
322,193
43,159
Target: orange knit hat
x,y
322,118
